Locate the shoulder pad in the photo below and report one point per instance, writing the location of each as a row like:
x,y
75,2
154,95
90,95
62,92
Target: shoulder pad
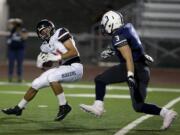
x,y
63,34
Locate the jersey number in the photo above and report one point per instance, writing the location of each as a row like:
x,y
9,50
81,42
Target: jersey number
x,y
117,38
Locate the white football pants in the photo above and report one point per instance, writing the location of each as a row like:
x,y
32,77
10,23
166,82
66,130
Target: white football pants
x,y
63,73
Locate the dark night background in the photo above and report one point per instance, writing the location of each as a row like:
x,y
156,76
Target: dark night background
x,y
76,15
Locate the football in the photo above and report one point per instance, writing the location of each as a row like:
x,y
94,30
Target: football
x,y
48,64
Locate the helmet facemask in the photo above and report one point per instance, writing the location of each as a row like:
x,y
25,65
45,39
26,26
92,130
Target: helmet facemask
x,y
45,29
105,26
45,33
102,29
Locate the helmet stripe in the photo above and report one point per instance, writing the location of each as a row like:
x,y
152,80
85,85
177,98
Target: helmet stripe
x,y
106,21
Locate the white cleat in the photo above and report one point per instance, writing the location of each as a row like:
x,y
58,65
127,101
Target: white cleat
x,y
169,117
92,110
96,109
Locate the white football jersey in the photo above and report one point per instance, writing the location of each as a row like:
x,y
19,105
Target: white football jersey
x,y
55,44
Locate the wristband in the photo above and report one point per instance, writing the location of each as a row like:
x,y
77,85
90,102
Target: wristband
x,y
130,73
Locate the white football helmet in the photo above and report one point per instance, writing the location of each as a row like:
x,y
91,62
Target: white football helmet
x,y
111,20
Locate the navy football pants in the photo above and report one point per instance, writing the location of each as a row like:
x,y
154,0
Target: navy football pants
x,y
15,56
118,74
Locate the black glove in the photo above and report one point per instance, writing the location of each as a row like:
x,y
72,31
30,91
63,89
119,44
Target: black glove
x,y
131,82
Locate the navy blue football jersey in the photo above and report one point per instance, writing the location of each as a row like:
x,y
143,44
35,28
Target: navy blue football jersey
x,y
127,35
15,41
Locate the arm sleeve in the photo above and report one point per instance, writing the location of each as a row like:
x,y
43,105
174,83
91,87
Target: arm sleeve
x,y
64,35
119,41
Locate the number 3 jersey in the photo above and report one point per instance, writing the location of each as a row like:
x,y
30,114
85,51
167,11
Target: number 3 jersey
x,y
56,43
127,35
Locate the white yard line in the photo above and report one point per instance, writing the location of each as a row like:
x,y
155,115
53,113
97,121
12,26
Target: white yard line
x,y
87,86
136,122
117,96
42,106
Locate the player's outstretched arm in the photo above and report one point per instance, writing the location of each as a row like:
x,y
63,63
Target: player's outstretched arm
x,y
108,52
127,55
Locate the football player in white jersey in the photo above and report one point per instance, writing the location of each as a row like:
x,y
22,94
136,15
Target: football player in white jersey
x,y
58,47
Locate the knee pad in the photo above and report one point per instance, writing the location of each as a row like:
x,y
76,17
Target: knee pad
x,y
36,84
138,107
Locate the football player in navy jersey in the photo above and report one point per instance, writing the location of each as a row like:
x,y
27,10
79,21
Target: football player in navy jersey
x,y
133,69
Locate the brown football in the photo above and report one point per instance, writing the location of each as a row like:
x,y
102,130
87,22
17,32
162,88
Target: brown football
x,y
48,64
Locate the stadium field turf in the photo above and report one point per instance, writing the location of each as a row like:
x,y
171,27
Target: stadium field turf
x,y
37,118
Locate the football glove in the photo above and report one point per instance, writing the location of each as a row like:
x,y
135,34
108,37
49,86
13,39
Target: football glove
x,y
148,59
131,81
53,57
42,57
107,53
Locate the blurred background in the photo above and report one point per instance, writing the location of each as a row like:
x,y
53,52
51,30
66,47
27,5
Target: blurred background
x,y
157,22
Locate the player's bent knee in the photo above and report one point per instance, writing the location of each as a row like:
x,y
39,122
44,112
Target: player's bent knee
x,y
99,79
52,78
36,84
138,107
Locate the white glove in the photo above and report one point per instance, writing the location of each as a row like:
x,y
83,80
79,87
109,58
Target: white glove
x,y
42,57
53,57
148,58
107,53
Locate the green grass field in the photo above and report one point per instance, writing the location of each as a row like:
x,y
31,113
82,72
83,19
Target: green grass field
x,y
39,120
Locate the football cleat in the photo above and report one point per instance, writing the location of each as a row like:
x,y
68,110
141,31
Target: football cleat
x,y
63,111
13,111
95,109
168,119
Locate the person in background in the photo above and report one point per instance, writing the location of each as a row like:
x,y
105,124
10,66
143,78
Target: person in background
x,y
16,45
